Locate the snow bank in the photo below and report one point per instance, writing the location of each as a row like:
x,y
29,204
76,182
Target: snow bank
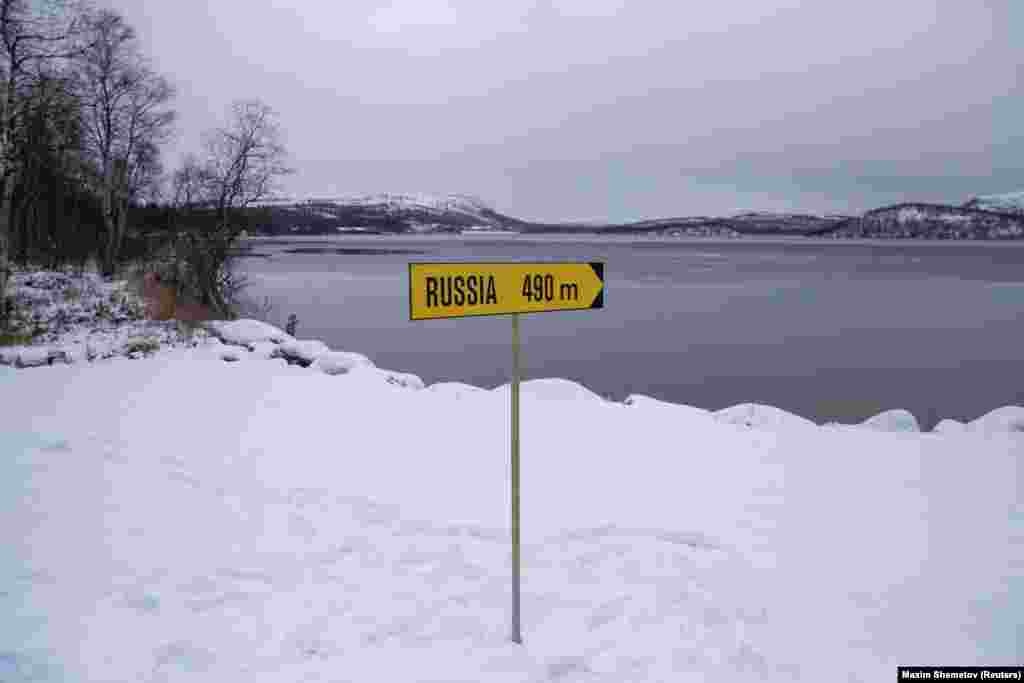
x,y
339,362
761,417
649,403
32,356
233,353
81,317
374,374
1005,419
305,351
263,350
551,389
949,427
893,421
455,390
84,318
182,518
246,331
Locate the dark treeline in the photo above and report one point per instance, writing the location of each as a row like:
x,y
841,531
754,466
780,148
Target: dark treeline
x,y
83,122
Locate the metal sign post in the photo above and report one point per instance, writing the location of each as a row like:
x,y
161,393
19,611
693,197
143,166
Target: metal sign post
x,y
517,636
459,290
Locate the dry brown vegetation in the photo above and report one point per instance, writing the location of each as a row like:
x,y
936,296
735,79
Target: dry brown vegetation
x,y
162,302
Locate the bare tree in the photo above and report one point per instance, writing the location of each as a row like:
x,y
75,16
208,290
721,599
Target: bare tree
x,y
244,160
127,118
189,184
32,33
242,163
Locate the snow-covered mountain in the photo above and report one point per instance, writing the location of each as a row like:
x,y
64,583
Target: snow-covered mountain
x,y
455,213
932,221
384,213
1010,202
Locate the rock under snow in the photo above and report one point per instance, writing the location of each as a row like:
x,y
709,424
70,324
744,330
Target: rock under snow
x,y
34,356
897,420
1005,419
9,354
247,331
761,416
262,350
233,353
303,352
339,362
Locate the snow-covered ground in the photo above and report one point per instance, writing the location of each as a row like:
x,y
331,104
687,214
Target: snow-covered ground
x,y
68,318
183,518
1012,202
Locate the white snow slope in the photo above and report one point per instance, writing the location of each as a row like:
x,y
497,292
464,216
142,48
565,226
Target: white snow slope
x,y
449,202
180,518
1011,201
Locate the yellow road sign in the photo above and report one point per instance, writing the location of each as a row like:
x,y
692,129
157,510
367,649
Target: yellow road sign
x,y
458,290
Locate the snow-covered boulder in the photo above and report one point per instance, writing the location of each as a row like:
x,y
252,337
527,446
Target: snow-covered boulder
x,y
246,331
761,416
948,426
262,349
1005,419
9,354
75,353
34,356
97,348
897,420
339,362
455,389
303,352
403,379
233,354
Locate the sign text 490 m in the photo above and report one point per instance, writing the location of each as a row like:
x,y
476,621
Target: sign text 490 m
x,y
457,290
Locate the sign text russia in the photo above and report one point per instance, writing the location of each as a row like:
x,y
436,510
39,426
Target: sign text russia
x,y
457,290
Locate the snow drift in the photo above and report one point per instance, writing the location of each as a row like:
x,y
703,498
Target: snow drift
x,y
178,517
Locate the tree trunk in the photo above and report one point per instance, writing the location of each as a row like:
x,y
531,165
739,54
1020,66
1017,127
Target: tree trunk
x,y
5,229
113,221
3,251
116,224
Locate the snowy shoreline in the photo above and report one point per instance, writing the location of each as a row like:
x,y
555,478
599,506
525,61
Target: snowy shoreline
x,y
106,320
245,505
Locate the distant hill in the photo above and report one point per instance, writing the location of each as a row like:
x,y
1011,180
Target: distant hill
x,y
931,221
404,213
385,213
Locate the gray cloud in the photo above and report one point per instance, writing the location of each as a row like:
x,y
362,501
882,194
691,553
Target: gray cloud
x,y
559,109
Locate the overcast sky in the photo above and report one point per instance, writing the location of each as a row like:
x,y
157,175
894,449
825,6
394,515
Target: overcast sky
x,y
608,109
